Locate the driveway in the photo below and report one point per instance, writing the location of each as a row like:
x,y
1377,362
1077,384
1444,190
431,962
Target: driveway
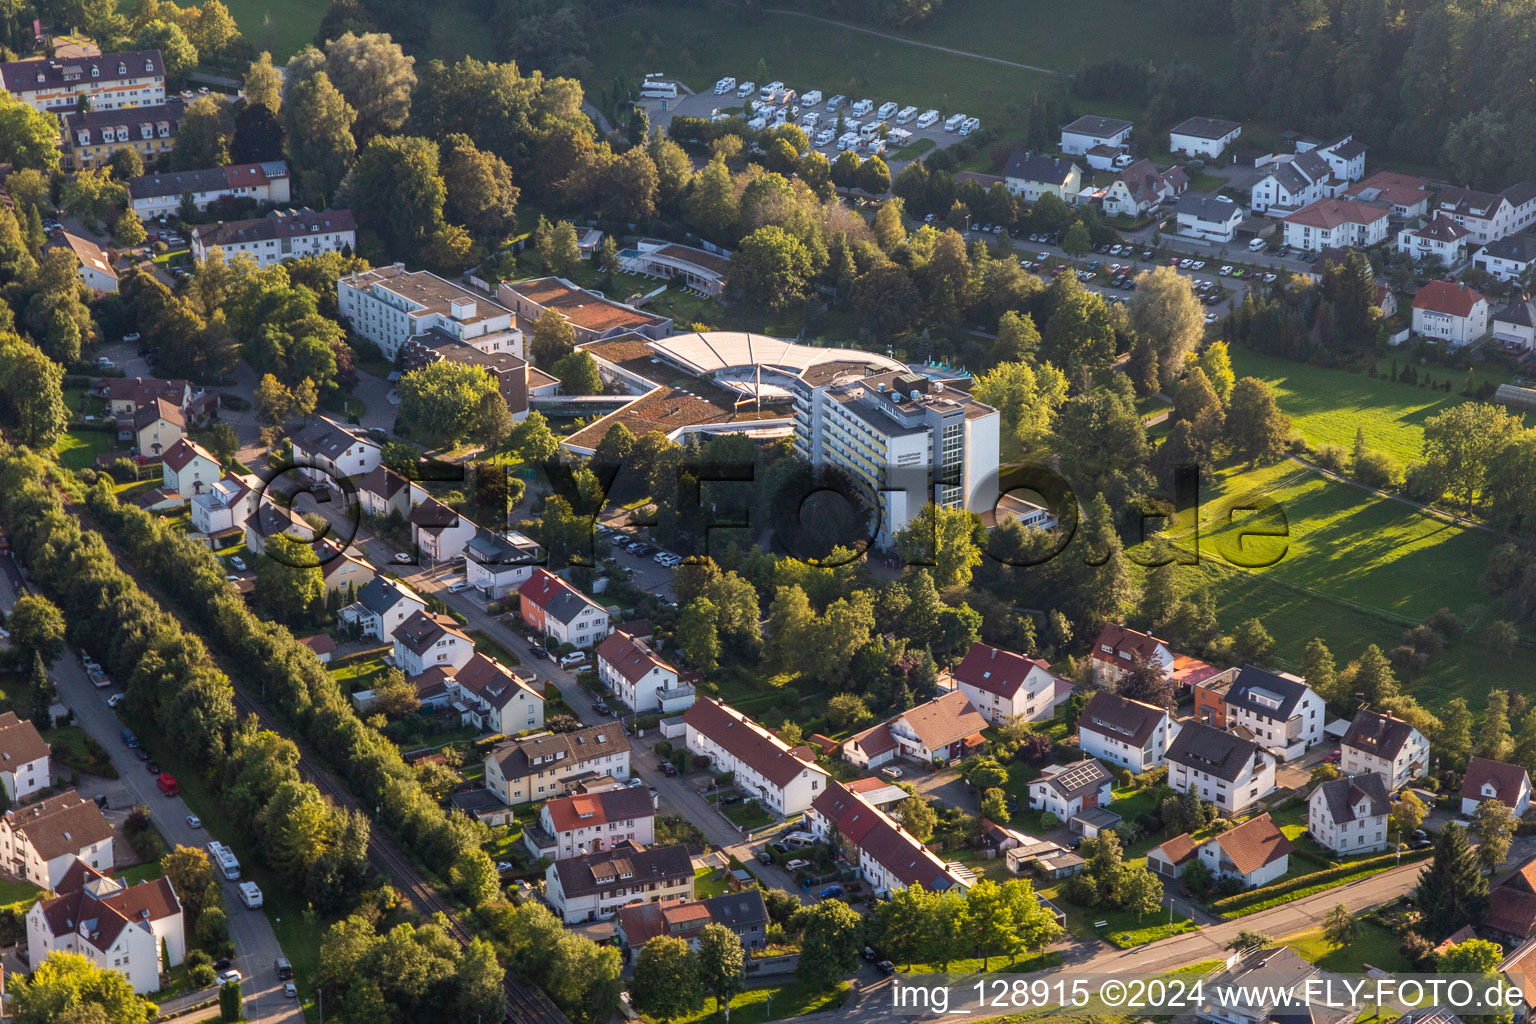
x,y
256,946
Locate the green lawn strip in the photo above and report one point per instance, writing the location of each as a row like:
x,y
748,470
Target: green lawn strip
x,y
70,749
1151,933
78,449
1081,921
776,1001
361,674
17,891
913,150
140,873
1025,964
1312,890
490,646
1374,946
706,884
743,816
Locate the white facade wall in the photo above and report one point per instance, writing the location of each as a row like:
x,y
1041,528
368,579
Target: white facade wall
x,y
1363,835
1233,797
791,798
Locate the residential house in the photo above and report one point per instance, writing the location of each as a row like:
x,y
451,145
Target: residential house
x,y
639,677
1171,858
583,823
156,426
188,468
1338,223
427,640
1450,311
500,700
382,491
1490,216
1281,713
268,519
943,729
1125,732
1514,324
1207,216
1003,684
100,81
1043,857
160,193
328,452
1118,647
1089,132
39,842
1203,136
1032,175
279,236
323,646
136,930
1259,986
547,765
551,606
124,396
1404,195
1384,744
1221,767
498,563
766,768
94,265
1349,815
1508,258
1255,852
438,531
1140,187
1065,789
888,857
1511,914
1484,780
595,886
1345,156
744,913
24,765
1439,238
90,137
1292,182
382,606
343,572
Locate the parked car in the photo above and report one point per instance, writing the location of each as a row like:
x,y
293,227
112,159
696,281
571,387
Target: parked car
x,y
237,562
891,772
290,990
870,954
797,864
193,821
116,699
833,892
764,857
573,659
668,769
1334,756
230,975
886,968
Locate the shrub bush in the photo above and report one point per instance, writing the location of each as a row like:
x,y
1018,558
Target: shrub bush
x,y
1293,885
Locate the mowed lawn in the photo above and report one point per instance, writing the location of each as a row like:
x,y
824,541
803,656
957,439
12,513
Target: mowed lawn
x,y
1354,569
1327,406
287,26
700,45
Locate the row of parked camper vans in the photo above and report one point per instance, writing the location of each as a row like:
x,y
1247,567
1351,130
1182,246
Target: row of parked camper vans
x,y
774,104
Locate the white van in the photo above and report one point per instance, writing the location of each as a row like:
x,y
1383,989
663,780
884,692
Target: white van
x,y
809,121
769,91
574,658
851,126
824,137
655,89
953,122
863,107
1257,245
745,89
250,894
849,141
836,102
929,118
724,86
906,114
874,147
888,110
811,99
969,125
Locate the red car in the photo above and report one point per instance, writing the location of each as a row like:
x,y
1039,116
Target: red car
x,y
1333,757
167,784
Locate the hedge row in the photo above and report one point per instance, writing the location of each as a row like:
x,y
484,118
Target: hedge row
x,y
171,682
1315,878
268,659
1275,901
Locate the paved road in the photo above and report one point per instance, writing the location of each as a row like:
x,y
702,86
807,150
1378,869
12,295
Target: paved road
x,y
255,944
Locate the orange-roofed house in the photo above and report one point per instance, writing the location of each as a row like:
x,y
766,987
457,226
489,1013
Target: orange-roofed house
x,y
943,729
1343,223
1450,311
1256,852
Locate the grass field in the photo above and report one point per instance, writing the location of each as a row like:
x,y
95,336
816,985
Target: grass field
x,y
1375,947
1326,406
285,26
768,1002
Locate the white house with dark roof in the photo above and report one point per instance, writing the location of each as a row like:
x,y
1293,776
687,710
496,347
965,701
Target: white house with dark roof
x,y
438,531
546,765
595,886
1203,136
382,491
390,305
1490,216
1384,744
1141,186
188,468
555,608
943,729
887,856
1065,789
1514,323
1349,815
1032,175
766,768
382,606
1291,182
1222,767
93,264
136,930
327,452
1344,155
23,758
639,677
1508,258
40,841
1125,732
498,563
1208,216
1439,237
1004,684
1509,784
280,235
498,699
1090,131
426,640
583,823
106,81
268,519
160,193
1117,648
1279,712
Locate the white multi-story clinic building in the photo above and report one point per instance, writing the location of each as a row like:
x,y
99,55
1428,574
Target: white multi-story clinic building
x,y
390,305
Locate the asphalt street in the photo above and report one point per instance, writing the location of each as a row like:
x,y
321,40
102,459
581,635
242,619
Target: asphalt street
x,y
256,946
